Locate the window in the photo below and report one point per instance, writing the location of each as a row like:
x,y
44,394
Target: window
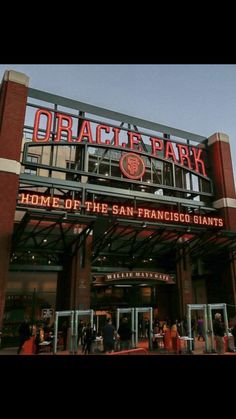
x,y
32,170
70,165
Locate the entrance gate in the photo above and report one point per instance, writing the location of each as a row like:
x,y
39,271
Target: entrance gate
x,y
80,313
63,314
148,310
225,318
120,311
73,335
134,322
194,307
208,324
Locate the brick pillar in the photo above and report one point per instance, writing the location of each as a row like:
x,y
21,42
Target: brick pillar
x,y
225,197
184,280
13,97
64,285
223,177
81,275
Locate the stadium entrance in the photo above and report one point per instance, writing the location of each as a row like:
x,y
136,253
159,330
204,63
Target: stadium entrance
x,y
105,210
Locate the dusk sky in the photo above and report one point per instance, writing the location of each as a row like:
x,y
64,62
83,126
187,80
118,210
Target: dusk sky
x,y
196,98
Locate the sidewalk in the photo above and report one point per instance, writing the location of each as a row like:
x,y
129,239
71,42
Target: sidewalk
x,y
199,349
8,351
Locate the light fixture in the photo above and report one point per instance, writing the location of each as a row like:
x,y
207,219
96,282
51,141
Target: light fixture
x,y
144,225
159,192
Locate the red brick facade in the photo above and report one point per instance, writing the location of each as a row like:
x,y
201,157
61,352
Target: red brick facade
x,y
223,176
13,96
81,277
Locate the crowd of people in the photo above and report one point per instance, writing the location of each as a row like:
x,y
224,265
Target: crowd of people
x,y
112,339
39,333
164,333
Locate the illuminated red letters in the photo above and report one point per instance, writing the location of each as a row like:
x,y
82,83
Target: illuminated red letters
x,y
184,155
157,145
121,210
98,133
85,132
61,127
197,161
36,126
170,154
135,140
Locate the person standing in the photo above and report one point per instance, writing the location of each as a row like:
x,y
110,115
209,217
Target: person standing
x,y
219,331
64,329
200,329
233,331
88,338
147,328
81,328
24,334
125,334
108,334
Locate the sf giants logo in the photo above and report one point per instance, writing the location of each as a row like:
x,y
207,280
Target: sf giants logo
x,y
132,166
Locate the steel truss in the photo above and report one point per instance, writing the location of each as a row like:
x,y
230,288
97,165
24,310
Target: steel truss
x,y
45,237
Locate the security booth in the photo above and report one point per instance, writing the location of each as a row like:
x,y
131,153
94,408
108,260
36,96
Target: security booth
x,y
119,312
100,318
197,307
214,307
149,311
68,315
80,314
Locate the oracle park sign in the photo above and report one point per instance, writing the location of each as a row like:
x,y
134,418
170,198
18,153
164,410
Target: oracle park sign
x,y
131,164
158,162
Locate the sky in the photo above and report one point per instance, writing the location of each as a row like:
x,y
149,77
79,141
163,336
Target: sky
x,y
196,98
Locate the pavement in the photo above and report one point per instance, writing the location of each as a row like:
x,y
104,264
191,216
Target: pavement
x,y
199,349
